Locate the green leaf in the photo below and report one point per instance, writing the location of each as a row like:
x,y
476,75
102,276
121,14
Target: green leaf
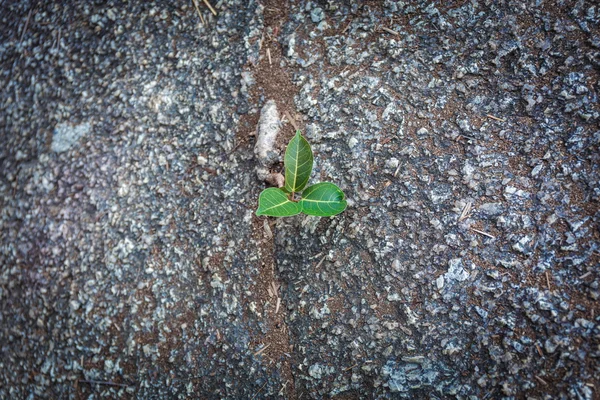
x,y
275,203
323,200
298,163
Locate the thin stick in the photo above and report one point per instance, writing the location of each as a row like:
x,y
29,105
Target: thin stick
x,y
287,114
585,275
548,281
539,350
269,56
275,287
465,212
483,233
26,25
349,368
541,380
58,39
347,26
468,137
210,7
107,383
283,387
199,13
262,349
496,118
277,304
259,390
388,30
320,262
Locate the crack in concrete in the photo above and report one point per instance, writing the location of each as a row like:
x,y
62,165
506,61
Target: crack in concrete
x,y
272,83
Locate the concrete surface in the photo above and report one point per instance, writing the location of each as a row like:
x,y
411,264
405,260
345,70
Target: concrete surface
x,y
464,134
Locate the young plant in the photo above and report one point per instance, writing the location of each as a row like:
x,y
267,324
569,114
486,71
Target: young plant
x,y
322,199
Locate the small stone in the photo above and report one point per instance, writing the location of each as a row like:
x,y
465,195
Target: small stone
x,y
291,43
522,245
74,305
537,169
492,209
109,366
65,136
397,266
20,155
575,225
317,15
439,282
216,282
392,163
316,371
550,345
456,271
482,313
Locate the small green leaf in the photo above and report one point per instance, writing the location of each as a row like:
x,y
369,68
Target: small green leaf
x,y
275,203
298,163
323,200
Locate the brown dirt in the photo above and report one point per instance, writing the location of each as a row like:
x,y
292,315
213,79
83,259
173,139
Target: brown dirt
x,y
272,82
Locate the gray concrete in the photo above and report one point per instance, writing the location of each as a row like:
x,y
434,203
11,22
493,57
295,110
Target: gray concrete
x,y
465,137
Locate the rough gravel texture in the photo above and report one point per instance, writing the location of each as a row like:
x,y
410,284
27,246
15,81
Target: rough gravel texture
x,y
125,253
464,134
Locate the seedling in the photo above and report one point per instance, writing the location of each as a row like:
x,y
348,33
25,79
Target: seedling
x,y
322,199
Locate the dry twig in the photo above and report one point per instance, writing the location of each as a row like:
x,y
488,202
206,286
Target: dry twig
x,y
585,275
283,388
483,233
210,7
388,30
495,118
106,383
199,13
275,287
539,350
292,121
26,25
541,380
320,262
58,39
465,212
262,349
347,26
259,390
